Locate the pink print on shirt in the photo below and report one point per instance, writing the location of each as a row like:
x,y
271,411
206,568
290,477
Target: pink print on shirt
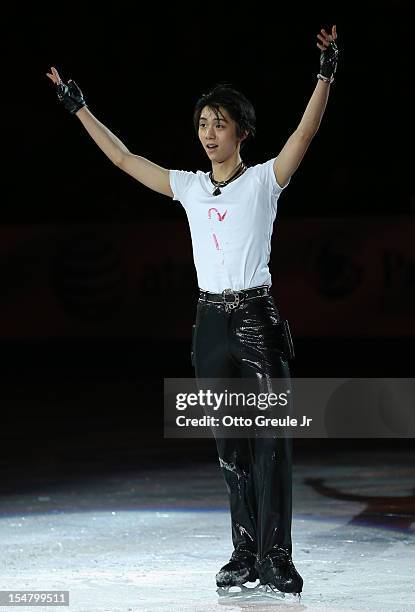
x,y
220,217
215,239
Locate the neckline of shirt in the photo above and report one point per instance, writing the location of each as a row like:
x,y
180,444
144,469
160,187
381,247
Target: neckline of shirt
x,y
233,182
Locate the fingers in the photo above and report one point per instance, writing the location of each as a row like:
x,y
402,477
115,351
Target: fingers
x,y
325,38
54,77
325,42
56,74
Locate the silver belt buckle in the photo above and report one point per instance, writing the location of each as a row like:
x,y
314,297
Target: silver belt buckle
x,y
230,305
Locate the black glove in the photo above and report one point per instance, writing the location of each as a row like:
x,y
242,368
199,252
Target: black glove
x,y
71,96
328,62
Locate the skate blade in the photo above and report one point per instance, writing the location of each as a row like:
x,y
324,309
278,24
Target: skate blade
x,y
270,590
238,591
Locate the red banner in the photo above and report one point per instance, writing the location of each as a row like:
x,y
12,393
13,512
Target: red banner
x,y
331,277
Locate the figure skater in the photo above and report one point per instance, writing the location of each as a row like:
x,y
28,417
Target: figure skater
x,y
238,330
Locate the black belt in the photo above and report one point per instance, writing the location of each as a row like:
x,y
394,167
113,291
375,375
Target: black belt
x,y
232,299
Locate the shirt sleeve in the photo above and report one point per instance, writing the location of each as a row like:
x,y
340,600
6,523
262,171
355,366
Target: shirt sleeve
x,y
266,176
180,182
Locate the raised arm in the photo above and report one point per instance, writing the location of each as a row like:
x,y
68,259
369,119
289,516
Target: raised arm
x,y
146,172
288,160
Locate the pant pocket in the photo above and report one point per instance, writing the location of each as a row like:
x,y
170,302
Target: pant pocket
x,y
286,338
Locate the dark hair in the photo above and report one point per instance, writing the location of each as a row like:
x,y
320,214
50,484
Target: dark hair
x,y
234,102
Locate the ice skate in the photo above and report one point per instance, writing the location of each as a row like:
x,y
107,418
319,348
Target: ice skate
x,y
278,574
240,569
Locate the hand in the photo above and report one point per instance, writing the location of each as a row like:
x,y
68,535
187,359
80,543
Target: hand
x,y
326,39
328,55
70,95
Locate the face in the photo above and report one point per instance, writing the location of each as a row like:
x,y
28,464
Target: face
x,y
217,133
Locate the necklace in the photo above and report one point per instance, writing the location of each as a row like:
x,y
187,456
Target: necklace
x,y
240,169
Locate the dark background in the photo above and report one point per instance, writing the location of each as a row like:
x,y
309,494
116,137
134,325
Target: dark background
x,y
141,71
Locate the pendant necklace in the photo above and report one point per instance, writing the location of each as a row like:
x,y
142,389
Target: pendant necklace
x,y
240,169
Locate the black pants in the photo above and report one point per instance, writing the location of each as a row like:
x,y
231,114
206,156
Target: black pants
x,y
246,343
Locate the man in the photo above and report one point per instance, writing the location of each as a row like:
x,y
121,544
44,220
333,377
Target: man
x,y
238,330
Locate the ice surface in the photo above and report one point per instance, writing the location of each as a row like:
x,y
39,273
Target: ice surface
x,y
153,541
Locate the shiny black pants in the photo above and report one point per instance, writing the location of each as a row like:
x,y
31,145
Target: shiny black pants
x,y
246,343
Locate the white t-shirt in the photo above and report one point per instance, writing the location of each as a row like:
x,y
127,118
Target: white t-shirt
x,y
231,233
